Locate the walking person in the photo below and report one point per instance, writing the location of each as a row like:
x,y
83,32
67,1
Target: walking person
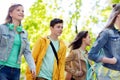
x,y
77,64
106,49
49,54
14,43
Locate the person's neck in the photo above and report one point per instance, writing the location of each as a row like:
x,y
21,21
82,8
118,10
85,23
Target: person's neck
x,y
53,37
16,23
83,47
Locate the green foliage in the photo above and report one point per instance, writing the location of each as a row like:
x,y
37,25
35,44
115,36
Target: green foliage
x,y
115,1
37,23
42,11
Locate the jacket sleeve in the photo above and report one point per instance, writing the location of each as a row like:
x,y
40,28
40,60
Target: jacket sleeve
x,y
69,59
62,63
28,55
35,54
29,75
0,33
95,53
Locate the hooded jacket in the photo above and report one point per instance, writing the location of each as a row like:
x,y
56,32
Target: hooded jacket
x,y
39,52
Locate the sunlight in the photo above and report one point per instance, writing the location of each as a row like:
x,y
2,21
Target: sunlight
x,y
4,5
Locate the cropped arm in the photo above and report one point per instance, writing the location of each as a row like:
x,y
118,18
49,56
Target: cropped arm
x,y
69,59
96,51
28,56
35,54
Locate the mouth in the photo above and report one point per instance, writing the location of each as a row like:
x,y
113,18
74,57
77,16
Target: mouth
x,y
60,32
21,15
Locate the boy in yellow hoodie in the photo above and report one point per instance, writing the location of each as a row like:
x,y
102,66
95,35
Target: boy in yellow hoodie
x,y
48,66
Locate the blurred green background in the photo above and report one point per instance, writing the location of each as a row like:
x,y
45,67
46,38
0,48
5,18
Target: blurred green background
x,y
78,15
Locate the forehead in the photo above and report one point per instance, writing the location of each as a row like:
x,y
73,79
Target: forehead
x,y
17,7
59,24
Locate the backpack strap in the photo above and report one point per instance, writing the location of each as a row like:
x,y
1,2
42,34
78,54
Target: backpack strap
x,y
55,53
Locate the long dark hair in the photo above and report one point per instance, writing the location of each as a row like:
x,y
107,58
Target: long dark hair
x,y
113,15
78,40
11,8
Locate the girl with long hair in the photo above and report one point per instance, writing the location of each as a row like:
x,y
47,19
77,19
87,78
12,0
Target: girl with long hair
x,y
14,44
77,63
106,49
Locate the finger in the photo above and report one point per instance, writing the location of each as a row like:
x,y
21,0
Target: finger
x,y
33,73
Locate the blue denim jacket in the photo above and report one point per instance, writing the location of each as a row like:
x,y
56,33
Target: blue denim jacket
x,y
109,42
6,42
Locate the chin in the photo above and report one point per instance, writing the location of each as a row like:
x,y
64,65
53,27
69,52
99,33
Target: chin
x,y
58,34
20,20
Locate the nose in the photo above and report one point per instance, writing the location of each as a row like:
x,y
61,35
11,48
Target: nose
x,y
22,13
61,28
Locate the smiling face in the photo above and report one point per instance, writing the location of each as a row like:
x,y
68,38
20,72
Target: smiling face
x,y
57,29
17,13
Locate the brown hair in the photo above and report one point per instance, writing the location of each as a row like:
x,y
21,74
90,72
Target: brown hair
x,y
113,15
55,21
11,8
78,40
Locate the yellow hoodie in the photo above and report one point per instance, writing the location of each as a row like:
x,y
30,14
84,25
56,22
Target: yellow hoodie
x,y
39,52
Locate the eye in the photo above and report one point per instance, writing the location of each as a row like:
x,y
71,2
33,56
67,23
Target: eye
x,y
58,26
18,9
22,10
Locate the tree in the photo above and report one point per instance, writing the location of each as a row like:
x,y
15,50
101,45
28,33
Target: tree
x,y
77,15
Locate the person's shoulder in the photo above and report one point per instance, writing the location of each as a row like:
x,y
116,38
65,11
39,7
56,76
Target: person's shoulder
x,y
42,38
3,25
62,43
106,31
75,51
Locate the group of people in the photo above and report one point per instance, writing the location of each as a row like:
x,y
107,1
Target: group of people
x,y
48,60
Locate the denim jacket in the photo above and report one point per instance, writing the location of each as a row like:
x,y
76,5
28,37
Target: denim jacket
x,y
6,42
107,44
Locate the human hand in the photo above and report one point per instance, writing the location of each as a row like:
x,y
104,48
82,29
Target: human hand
x,y
79,73
33,73
113,60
